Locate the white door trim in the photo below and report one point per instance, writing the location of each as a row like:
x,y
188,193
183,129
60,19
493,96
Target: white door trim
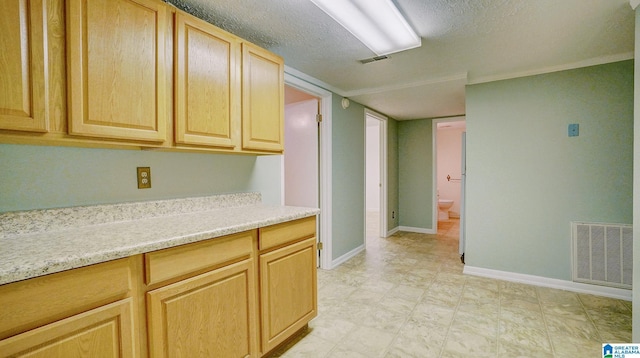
x,y
324,232
383,169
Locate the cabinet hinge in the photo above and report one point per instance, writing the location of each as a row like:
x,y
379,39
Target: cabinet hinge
x,y
318,117
319,246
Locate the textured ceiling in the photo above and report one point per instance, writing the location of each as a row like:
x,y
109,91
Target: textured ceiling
x,y
463,41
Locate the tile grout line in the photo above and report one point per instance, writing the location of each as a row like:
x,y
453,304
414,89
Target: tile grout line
x,y
590,319
407,318
337,344
455,312
499,318
546,325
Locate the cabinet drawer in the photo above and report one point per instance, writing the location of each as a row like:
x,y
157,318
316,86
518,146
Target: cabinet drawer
x,y
102,332
194,258
42,300
275,235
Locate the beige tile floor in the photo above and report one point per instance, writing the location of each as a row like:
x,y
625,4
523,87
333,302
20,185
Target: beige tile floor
x,y
406,296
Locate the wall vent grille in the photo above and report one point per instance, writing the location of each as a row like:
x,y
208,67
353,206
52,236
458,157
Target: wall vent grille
x,y
374,59
602,254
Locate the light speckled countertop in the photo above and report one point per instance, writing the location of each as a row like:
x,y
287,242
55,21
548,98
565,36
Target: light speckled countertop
x,y
41,242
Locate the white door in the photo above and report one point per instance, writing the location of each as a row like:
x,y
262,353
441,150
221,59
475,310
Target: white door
x,y
323,159
372,177
375,174
463,232
301,154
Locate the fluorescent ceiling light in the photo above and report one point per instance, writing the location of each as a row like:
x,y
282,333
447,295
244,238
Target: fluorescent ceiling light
x,y
376,23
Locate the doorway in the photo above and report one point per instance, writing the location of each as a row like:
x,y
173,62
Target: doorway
x,y
300,162
375,175
449,175
323,160
301,158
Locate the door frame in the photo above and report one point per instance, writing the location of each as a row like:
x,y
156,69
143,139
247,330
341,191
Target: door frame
x,y
383,169
324,234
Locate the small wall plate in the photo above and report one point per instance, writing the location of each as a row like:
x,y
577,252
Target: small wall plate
x,y
144,177
574,130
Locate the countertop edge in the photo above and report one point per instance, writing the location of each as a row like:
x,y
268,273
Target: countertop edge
x,y
32,270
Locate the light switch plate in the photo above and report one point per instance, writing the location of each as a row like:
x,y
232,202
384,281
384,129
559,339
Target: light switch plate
x,y
574,130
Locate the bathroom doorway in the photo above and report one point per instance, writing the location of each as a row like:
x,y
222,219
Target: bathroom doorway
x,y
449,174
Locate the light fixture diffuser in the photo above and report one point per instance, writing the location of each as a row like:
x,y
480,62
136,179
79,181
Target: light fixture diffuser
x,y
376,23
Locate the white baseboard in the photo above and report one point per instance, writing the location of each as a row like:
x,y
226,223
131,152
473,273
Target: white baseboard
x,y
344,258
393,231
419,230
619,293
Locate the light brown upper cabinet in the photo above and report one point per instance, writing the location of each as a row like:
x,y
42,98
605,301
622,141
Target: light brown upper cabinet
x,y
207,90
262,100
23,70
116,69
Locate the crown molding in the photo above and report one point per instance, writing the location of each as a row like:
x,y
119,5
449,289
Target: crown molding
x,y
365,91
569,66
314,81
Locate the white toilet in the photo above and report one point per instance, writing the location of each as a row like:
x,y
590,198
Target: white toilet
x,y
443,208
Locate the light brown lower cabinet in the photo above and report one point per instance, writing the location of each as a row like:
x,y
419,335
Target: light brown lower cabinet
x,y
239,295
287,291
86,312
106,332
288,279
209,315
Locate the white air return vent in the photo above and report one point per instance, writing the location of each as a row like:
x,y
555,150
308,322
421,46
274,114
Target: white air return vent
x,y
602,254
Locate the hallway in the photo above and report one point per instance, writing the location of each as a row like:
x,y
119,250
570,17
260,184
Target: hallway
x,y
405,296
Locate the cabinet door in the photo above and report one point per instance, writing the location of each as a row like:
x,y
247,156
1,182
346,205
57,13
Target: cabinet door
x,y
288,291
207,91
102,332
23,76
116,69
210,315
262,100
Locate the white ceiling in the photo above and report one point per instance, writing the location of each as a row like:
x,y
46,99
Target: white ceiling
x,y
463,42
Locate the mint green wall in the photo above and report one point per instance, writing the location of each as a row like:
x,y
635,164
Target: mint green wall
x,y
36,177
636,188
415,168
266,178
527,180
347,140
392,174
